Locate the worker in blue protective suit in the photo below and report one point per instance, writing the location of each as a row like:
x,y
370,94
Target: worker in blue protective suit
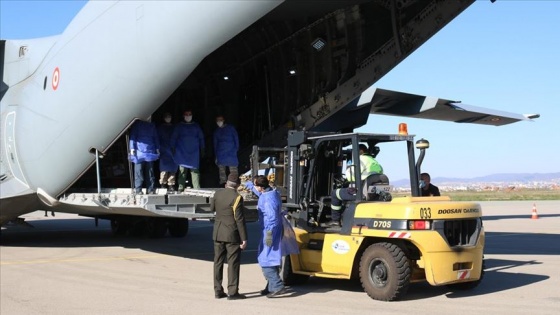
x,y
144,150
188,142
226,145
250,185
167,166
275,241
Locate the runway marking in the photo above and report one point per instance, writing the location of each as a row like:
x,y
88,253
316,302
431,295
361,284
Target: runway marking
x,y
48,261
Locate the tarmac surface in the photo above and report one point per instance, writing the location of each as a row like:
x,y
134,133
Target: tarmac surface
x,y
67,265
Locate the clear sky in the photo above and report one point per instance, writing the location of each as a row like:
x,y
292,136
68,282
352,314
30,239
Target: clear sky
x,y
503,55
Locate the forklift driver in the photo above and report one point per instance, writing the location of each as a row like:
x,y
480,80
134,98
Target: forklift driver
x,y
368,166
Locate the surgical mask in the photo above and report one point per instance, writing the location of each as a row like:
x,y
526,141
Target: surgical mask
x,y
220,123
188,118
167,119
422,184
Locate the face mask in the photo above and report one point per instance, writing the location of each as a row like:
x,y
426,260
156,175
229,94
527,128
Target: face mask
x,y
422,184
188,118
167,119
220,123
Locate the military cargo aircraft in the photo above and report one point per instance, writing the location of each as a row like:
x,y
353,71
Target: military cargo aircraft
x,y
269,66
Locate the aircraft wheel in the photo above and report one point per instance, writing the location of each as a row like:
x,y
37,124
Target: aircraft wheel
x,y
289,277
139,227
157,227
178,227
119,226
385,272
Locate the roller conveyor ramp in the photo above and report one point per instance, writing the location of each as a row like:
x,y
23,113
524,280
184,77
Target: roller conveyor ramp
x,y
191,204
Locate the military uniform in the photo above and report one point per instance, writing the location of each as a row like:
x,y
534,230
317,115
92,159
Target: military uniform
x,y
229,232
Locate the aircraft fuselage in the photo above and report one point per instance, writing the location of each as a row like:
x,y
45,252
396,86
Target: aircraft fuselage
x,y
116,61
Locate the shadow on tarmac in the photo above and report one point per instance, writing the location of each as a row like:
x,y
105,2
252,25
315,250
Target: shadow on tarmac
x,y
198,245
499,243
496,279
82,232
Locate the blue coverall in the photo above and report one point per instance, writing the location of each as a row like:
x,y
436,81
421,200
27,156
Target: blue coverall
x,y
144,147
188,141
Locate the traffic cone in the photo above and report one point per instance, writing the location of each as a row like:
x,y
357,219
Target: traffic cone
x,y
534,216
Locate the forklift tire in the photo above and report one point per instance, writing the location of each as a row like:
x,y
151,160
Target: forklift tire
x,y
385,272
289,277
178,227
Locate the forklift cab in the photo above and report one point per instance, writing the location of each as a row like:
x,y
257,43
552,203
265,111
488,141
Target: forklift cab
x,y
315,165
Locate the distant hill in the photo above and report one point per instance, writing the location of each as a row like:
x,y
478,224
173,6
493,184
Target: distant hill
x,y
494,178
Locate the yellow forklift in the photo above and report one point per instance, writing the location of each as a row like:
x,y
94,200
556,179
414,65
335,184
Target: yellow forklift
x,y
385,242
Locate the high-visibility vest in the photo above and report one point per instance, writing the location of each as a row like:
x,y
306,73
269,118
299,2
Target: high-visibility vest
x,y
368,165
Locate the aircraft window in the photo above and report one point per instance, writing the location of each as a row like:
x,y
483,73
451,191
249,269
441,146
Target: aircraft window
x,y
45,83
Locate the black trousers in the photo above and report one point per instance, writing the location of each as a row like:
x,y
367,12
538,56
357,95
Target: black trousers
x,y
231,252
338,196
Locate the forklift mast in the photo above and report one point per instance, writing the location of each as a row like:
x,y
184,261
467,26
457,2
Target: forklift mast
x,y
312,165
313,159
297,152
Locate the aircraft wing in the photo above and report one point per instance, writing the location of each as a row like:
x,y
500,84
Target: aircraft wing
x,y
394,103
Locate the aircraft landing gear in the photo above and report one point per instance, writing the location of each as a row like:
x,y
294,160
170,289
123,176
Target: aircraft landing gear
x,y
150,227
119,226
178,227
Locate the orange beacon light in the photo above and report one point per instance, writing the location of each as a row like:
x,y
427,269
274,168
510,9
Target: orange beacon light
x,y
403,129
